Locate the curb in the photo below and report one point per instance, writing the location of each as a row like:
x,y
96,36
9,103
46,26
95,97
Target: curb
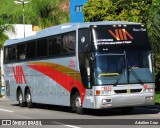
x,y
3,98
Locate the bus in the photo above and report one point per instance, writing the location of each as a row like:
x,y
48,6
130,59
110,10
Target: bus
x,y
95,65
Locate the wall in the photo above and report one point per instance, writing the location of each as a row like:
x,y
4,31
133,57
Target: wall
x,y
76,16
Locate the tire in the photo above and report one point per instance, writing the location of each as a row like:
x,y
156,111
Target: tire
x,y
21,101
127,110
29,99
77,105
73,103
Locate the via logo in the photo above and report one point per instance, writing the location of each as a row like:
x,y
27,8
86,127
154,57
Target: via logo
x,y
19,75
121,34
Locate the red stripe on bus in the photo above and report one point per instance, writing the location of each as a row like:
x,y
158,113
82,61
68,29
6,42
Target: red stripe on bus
x,y
19,75
61,78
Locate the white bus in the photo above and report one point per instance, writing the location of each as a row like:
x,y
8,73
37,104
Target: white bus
x,y
97,65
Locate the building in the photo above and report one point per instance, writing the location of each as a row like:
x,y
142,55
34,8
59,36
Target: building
x,y
20,31
76,14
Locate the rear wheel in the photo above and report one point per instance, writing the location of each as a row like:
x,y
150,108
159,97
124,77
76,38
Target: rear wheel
x,y
29,99
77,104
21,99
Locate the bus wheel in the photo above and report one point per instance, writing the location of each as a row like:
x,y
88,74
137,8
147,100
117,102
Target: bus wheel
x,y
78,104
29,99
20,99
126,110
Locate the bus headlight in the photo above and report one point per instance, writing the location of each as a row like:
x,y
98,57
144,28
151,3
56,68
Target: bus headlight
x,y
149,89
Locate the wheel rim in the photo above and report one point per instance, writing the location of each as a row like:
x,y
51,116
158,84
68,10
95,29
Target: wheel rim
x,y
78,102
28,98
20,98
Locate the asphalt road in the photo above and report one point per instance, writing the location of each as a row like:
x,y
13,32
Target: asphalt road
x,y
62,117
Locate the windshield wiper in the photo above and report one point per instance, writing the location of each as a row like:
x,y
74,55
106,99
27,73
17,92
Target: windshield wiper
x,y
136,76
115,84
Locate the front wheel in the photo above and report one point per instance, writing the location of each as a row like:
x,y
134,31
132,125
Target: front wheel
x,y
78,104
29,99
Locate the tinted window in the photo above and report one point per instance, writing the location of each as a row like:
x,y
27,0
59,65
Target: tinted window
x,y
5,54
31,49
55,44
12,53
21,51
42,47
69,41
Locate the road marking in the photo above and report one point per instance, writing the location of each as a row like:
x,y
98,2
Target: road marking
x,y
71,126
5,110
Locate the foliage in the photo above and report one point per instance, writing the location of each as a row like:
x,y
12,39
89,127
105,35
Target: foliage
x,y
3,27
42,13
153,25
157,97
48,13
122,10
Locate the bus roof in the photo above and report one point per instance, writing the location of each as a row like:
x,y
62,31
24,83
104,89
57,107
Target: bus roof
x,y
65,28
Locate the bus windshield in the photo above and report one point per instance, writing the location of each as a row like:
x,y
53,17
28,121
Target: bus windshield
x,y
123,68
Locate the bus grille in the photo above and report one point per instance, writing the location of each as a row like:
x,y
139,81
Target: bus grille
x,y
128,91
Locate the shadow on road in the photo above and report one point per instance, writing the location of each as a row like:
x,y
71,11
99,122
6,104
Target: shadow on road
x,y
93,112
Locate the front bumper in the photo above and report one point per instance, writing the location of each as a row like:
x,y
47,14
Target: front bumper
x,y
124,100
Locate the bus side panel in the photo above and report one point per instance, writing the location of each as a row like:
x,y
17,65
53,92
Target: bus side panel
x,y
50,91
89,99
10,83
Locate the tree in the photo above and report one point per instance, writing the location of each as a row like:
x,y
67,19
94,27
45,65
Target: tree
x,y
3,27
42,13
46,13
122,10
153,25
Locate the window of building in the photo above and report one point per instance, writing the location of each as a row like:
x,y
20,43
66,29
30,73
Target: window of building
x,y
78,8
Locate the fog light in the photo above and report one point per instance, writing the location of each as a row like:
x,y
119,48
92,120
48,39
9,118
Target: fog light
x,y
149,98
106,101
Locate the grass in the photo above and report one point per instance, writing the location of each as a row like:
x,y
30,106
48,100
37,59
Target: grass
x,y
157,99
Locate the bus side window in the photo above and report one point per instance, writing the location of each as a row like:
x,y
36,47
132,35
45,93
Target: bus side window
x,y
69,41
54,44
42,47
12,53
5,54
21,51
31,49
